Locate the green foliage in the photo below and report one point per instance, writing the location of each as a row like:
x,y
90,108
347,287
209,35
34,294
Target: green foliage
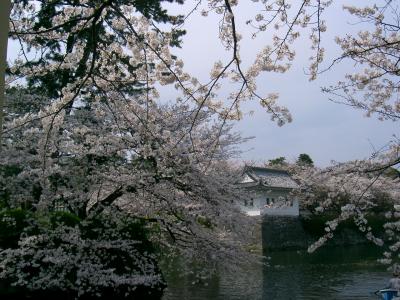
x,y
204,221
12,223
383,202
149,163
57,180
58,218
7,171
10,170
305,160
279,161
21,100
128,227
93,36
392,173
315,225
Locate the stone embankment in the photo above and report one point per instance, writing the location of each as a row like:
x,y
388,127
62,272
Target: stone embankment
x,y
294,233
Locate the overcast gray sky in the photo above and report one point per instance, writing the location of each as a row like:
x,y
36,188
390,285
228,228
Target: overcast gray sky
x,y
325,130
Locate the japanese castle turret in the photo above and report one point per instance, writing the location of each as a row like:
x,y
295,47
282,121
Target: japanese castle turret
x,y
269,192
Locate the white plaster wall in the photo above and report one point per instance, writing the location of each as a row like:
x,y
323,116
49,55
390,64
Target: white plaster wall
x,y
251,211
282,211
260,202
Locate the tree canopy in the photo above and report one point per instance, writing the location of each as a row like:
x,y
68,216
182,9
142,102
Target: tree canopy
x,y
304,160
93,137
279,161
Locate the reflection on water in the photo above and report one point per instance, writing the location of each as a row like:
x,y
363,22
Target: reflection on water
x,y
331,273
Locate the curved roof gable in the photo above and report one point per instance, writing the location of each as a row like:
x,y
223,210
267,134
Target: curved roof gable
x,y
272,178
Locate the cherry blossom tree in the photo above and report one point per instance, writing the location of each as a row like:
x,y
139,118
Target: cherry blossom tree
x,y
104,143
373,88
96,143
102,167
354,191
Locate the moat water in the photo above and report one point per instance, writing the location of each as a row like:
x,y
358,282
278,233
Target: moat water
x,y
340,273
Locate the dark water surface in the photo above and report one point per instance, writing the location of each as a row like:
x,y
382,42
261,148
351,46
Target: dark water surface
x,y
331,274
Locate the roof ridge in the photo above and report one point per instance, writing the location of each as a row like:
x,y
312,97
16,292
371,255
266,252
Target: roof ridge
x,y
267,169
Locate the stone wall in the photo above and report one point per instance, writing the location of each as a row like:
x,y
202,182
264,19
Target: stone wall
x,y
279,232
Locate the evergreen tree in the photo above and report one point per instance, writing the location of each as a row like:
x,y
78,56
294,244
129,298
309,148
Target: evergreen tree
x,y
304,160
277,162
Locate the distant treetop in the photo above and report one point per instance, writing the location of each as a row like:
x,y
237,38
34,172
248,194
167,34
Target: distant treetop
x,y
305,160
279,161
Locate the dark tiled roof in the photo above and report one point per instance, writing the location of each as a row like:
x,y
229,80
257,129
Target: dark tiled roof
x,y
273,178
